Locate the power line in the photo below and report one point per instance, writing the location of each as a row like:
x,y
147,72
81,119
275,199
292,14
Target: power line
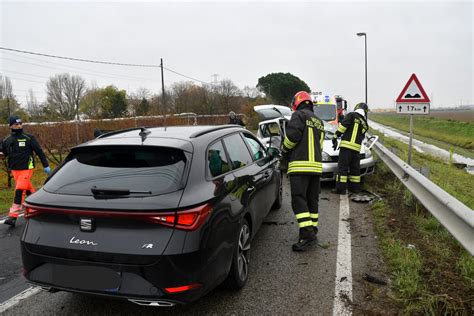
x,y
185,75
83,71
80,59
22,73
99,62
25,80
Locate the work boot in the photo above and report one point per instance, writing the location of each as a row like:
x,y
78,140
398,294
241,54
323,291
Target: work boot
x,y
10,221
306,239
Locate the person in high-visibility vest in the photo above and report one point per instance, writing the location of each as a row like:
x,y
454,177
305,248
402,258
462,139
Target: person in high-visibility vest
x,y
18,148
303,147
352,132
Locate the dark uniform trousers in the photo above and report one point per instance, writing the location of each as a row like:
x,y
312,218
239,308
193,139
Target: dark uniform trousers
x,y
348,170
305,201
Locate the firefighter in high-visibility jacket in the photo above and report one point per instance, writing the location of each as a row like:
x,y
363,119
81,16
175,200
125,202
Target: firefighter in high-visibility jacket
x,y
303,146
352,132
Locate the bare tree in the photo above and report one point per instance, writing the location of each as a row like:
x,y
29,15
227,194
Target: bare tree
x,y
33,107
251,92
8,102
227,92
65,93
139,102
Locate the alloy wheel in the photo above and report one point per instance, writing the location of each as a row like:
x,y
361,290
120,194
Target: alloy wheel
x,y
244,247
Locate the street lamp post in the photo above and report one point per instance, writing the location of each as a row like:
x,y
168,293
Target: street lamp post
x,y
365,39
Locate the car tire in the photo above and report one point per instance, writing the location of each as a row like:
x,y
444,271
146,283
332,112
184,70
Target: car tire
x,y
279,200
239,270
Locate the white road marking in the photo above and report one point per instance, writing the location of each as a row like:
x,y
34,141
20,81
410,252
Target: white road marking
x,y
18,298
343,289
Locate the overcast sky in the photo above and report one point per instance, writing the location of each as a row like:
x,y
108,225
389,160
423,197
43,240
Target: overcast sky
x,y
243,41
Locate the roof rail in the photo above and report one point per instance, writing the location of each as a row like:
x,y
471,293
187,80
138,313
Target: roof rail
x,y
119,131
212,129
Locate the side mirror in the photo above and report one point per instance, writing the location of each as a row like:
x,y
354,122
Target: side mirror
x,y
273,152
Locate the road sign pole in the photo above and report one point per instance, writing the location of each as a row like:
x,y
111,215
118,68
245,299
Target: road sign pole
x,y
411,138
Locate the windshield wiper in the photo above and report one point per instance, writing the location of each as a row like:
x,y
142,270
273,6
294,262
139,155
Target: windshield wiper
x,y
103,192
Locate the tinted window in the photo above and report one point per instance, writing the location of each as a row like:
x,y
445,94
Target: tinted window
x,y
258,152
157,170
217,160
238,153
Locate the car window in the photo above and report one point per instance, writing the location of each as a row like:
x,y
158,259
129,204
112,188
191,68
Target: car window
x,y
326,112
153,169
257,150
237,150
270,129
217,160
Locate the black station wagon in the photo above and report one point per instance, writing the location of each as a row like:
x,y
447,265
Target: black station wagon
x,y
157,216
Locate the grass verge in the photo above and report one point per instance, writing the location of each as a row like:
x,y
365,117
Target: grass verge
x,y
430,272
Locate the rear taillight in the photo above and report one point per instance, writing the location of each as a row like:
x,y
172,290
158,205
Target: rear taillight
x,y
29,212
190,219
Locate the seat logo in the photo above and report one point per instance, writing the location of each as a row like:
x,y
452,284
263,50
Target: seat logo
x,y
147,246
87,224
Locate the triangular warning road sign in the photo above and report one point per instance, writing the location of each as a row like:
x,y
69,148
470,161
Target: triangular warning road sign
x,y
413,92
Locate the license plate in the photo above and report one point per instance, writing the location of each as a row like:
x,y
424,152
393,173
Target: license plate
x,y
86,278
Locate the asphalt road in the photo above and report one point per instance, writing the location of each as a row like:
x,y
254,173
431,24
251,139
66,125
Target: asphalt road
x,y
281,282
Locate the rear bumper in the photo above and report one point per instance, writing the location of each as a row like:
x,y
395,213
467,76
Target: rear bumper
x,y
136,283
367,166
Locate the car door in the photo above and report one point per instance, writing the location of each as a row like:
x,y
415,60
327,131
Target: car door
x,y
249,178
268,168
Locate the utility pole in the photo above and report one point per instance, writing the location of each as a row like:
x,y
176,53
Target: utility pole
x,y
163,90
365,40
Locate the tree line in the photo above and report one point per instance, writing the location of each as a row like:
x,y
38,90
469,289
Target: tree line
x,y
69,97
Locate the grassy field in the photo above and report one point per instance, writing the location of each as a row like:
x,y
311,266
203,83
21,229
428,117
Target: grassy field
x,y
466,115
453,132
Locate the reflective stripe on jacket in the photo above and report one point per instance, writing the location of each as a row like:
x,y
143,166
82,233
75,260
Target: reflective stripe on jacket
x,y
353,129
304,140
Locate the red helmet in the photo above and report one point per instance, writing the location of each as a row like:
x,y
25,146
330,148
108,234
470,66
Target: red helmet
x,y
299,98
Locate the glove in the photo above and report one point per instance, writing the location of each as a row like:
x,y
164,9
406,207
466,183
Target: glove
x,y
47,170
334,143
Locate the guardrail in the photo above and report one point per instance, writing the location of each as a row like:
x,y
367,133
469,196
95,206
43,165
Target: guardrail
x,y
456,217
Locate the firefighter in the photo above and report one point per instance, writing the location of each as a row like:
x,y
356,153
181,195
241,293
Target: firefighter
x,y
353,129
18,149
303,146
234,119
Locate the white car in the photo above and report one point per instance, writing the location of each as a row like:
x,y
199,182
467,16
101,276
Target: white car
x,y
271,131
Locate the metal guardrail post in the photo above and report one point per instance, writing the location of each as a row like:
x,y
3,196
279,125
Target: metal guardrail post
x,y
456,217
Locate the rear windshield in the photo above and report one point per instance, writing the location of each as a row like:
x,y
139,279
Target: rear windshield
x,y
142,170
326,112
